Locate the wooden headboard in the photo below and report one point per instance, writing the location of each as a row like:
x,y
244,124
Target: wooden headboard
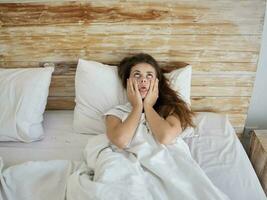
x,y
220,39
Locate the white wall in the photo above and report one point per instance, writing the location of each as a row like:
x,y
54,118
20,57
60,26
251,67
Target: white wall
x,y
257,113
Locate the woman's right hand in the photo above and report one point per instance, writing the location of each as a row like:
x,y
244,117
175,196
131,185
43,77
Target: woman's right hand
x,y
133,93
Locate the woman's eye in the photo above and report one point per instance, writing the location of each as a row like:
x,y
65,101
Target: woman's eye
x,y
149,76
136,75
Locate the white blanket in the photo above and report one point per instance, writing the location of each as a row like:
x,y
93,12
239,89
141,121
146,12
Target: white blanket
x,y
142,172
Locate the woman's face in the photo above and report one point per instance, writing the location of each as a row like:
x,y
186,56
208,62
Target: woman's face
x,y
143,73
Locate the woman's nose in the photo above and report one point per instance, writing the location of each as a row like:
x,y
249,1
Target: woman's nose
x,y
143,80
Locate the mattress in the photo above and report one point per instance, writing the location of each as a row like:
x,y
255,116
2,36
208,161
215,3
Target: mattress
x,y
216,148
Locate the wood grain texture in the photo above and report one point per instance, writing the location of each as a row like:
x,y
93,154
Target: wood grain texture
x,y
140,29
220,39
116,11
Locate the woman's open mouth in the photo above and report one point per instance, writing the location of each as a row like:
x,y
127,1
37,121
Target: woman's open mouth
x,y
143,89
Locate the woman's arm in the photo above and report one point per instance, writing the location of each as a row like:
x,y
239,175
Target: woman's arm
x,y
120,133
165,130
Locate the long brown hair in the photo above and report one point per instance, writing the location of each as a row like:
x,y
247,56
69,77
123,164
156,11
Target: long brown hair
x,y
169,101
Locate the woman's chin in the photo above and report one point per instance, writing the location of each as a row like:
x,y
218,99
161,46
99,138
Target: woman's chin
x,y
143,95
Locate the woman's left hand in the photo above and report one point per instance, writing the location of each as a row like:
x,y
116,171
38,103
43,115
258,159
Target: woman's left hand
x,y
153,93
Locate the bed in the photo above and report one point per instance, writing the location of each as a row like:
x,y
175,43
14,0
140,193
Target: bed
x,y
172,31
216,148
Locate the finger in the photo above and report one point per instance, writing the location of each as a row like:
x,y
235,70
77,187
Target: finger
x,y
133,81
128,85
150,87
135,86
131,84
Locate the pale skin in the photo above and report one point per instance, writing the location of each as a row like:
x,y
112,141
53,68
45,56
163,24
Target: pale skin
x,y
142,93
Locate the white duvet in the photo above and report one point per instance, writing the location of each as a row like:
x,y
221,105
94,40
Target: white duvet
x,y
144,172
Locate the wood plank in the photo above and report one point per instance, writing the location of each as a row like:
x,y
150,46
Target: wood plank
x,y
131,29
202,91
107,2
113,11
223,79
115,55
235,105
237,120
60,103
137,42
222,66
213,56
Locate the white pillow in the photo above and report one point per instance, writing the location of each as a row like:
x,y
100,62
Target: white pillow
x,y
98,89
180,80
23,97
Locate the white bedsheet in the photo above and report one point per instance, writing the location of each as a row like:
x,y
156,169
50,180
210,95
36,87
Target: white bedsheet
x,y
60,142
217,150
220,154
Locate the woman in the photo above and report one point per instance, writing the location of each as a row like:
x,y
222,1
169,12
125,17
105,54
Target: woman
x,y
148,91
146,156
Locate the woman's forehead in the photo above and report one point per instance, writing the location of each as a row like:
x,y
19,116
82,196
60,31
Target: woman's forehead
x,y
143,67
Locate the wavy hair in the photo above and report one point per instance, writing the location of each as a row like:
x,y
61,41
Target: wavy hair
x,y
169,101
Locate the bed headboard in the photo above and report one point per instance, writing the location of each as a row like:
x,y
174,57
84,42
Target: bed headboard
x,y
220,39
